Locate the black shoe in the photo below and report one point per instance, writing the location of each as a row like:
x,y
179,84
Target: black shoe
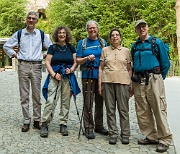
x,y
112,140
161,148
89,134
63,130
25,128
125,140
44,130
36,125
146,141
102,131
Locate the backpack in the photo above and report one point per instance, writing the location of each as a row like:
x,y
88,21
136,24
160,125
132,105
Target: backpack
x,y
84,41
153,48
42,38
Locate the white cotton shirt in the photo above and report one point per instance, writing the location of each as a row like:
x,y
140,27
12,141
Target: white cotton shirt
x,y
30,45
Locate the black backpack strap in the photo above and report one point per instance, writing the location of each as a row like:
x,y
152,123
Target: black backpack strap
x,y
153,46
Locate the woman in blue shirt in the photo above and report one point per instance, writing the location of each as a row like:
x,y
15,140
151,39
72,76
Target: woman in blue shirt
x,y
88,56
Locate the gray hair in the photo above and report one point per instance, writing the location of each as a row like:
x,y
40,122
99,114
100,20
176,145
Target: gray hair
x,y
33,13
91,22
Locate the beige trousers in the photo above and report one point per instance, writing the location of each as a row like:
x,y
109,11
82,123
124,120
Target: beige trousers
x,y
151,109
117,95
55,90
30,75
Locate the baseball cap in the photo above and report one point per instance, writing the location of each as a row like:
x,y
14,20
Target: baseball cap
x,y
139,22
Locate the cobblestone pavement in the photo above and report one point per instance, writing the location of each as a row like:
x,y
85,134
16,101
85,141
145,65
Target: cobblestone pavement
x,y
13,141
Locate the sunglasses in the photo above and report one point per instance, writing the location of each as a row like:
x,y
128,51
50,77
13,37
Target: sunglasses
x,y
30,18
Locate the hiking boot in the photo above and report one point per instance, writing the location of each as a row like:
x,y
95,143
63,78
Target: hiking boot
x,y
147,141
89,134
161,148
36,125
25,128
102,131
112,140
63,130
125,140
44,130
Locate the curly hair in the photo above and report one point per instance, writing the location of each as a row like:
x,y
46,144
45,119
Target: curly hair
x,y
68,34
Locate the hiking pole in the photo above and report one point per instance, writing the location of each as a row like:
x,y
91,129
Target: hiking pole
x,y
91,93
60,72
74,100
85,92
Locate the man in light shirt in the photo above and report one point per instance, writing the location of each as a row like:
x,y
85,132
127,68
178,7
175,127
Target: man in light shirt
x,y
30,58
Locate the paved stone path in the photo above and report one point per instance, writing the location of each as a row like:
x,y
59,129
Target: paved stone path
x,y
13,141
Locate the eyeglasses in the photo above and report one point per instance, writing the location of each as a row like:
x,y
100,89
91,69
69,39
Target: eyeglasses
x,y
139,27
91,28
29,18
113,35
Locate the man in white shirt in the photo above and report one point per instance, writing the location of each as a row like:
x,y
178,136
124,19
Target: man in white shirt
x,y
30,58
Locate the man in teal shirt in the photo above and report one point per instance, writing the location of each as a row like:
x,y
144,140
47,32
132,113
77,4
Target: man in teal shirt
x,y
149,91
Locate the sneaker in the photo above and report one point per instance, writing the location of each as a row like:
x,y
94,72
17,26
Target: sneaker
x,y
102,131
44,130
147,141
89,134
63,130
112,140
161,148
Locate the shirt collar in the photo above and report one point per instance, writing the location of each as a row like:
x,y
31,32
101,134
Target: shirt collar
x,y
34,32
113,48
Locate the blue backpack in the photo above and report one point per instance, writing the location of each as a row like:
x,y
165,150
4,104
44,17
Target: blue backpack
x,y
19,37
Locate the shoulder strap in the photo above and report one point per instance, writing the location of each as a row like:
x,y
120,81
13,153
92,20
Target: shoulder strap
x,y
84,44
42,37
153,46
19,36
20,32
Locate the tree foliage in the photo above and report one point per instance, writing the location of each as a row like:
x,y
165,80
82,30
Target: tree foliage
x,y
12,16
159,14
122,14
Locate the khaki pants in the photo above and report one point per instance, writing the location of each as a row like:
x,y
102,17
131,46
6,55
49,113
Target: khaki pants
x,y
30,74
151,109
55,90
90,89
116,94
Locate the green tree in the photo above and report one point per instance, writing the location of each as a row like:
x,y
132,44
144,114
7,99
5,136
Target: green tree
x,y
159,14
12,16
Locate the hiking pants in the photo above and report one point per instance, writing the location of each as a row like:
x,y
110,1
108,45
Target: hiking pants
x,y
55,90
90,89
151,109
30,74
116,94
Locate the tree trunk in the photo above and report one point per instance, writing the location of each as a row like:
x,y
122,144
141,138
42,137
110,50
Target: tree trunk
x,y
177,7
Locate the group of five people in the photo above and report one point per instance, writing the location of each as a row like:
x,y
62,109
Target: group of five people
x,y
106,76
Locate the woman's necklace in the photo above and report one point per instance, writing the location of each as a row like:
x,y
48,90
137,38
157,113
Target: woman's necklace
x,y
59,47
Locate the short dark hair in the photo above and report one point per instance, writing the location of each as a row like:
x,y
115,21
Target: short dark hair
x,y
115,29
68,34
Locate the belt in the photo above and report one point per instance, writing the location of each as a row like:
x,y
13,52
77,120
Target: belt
x,y
31,62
